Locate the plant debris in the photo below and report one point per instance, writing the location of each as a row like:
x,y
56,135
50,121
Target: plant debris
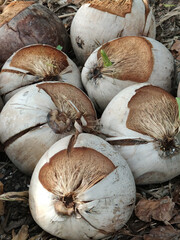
x,y
22,234
1,202
160,210
163,233
175,49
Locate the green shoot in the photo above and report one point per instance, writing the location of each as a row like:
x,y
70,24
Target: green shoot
x,y
178,101
51,65
59,47
169,5
105,58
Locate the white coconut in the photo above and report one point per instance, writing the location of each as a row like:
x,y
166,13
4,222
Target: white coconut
x,y
36,63
95,23
39,115
87,192
142,121
134,60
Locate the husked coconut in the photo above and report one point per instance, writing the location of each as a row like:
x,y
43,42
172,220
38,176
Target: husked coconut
x,y
39,115
127,60
95,23
36,63
86,192
25,22
143,122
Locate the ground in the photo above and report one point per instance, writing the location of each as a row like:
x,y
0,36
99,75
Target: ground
x,y
157,213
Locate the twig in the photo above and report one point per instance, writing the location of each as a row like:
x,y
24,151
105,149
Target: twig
x,y
174,12
4,164
62,6
15,196
67,15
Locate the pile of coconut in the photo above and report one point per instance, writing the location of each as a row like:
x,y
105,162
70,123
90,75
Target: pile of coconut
x,y
87,137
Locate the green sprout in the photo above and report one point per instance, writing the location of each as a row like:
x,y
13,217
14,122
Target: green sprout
x,y
50,65
178,101
169,5
59,47
105,58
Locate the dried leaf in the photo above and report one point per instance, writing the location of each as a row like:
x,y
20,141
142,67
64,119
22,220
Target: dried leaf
x,y
175,49
137,225
22,234
1,202
175,219
38,236
163,233
160,210
176,193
